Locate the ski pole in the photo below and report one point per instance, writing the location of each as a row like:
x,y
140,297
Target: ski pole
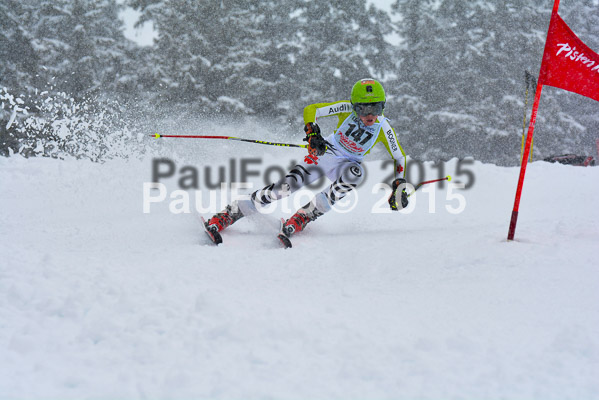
x,y
395,185
157,136
447,178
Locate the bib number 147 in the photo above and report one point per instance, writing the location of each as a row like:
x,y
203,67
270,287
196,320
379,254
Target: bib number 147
x,y
357,134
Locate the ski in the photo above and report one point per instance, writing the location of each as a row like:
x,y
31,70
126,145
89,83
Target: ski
x,y
217,239
283,237
213,234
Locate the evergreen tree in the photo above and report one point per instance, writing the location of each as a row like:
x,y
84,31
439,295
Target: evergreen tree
x,y
464,68
18,59
227,56
342,42
191,39
80,44
259,63
265,57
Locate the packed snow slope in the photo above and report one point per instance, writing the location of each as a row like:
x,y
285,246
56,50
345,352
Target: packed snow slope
x,y
101,300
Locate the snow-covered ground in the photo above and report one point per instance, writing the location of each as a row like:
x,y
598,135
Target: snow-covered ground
x,y
101,300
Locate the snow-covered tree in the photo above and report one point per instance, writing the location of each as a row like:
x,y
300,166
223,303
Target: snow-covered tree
x,y
80,44
342,42
18,57
463,77
265,57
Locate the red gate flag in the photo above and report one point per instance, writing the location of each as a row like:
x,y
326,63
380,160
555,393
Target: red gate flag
x,y
568,63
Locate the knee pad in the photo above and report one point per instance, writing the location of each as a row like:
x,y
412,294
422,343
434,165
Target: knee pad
x,y
352,174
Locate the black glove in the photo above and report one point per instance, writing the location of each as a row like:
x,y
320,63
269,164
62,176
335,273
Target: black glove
x,y
317,146
404,196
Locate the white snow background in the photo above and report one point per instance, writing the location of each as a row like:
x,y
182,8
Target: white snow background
x,y
100,300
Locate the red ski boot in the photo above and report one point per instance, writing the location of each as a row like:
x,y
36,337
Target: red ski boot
x,y
221,221
297,223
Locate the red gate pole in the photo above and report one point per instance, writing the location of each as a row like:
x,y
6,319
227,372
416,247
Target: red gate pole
x,y
531,128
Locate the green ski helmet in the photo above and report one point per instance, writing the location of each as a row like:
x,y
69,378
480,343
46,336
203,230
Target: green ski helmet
x,y
368,91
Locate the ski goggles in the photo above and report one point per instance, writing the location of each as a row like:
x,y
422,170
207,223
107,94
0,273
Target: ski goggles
x,y
364,109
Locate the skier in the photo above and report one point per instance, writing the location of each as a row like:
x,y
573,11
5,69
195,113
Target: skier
x,y
361,125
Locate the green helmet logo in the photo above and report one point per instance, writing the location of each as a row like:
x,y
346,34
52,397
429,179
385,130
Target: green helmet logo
x,y
367,91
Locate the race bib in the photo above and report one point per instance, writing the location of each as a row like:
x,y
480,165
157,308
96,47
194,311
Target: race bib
x,y
355,138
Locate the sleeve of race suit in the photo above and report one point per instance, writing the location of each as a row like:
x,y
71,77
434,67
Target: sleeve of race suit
x,y
394,148
340,108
